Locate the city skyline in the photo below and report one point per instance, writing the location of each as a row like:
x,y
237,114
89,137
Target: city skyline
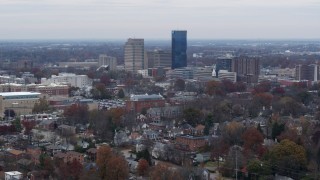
x,y
154,19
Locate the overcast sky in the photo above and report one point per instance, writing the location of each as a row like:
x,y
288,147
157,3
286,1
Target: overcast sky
x,y
154,19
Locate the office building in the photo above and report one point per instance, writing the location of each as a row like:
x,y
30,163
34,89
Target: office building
x,y
307,72
107,61
134,55
159,58
179,49
144,101
224,63
247,68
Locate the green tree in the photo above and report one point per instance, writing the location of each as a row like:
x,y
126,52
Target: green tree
x,y
192,116
17,124
277,129
144,155
121,94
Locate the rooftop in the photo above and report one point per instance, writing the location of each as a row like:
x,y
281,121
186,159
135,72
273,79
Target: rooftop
x,y
7,94
143,97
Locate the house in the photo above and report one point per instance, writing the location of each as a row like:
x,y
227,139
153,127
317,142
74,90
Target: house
x,y
25,164
202,157
199,130
34,153
65,129
69,156
13,175
150,134
92,154
133,165
120,138
15,153
48,125
189,142
53,149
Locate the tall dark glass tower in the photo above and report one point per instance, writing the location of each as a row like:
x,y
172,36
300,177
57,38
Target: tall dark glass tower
x,y
179,49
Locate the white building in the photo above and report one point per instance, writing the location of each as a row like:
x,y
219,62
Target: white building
x,y
13,175
224,74
70,79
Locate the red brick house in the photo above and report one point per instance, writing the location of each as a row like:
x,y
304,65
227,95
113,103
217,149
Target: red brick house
x,y
139,102
188,142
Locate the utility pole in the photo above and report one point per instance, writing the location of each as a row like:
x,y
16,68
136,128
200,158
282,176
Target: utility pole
x,y
236,163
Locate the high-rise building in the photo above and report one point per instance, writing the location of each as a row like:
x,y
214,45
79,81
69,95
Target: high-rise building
x,y
179,49
247,68
134,55
159,58
307,72
109,61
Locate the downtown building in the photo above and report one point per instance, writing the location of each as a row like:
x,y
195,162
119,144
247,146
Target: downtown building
x,y
107,61
179,49
159,58
307,72
247,68
134,55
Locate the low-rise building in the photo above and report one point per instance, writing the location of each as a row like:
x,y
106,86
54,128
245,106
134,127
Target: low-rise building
x,y
13,175
139,102
189,142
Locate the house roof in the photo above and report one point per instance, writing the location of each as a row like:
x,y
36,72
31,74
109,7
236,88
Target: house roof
x,y
15,152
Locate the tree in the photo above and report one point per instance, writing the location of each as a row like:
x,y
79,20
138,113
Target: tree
x,y
104,154
143,167
77,113
144,155
121,94
277,129
17,124
192,116
162,172
213,88
233,132
252,139
179,85
28,126
287,158
117,168
41,106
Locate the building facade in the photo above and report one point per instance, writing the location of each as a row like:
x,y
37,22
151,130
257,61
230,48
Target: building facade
x,y
307,72
50,90
247,68
134,55
179,49
70,79
139,102
109,61
224,63
159,58
20,102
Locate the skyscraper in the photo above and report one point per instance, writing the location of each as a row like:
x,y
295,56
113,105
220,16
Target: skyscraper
x,y
179,49
134,55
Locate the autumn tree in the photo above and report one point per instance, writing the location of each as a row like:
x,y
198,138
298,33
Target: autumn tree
x,y
232,133
104,154
214,88
117,168
252,139
262,87
277,129
143,167
41,106
116,114
163,172
287,158
77,113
